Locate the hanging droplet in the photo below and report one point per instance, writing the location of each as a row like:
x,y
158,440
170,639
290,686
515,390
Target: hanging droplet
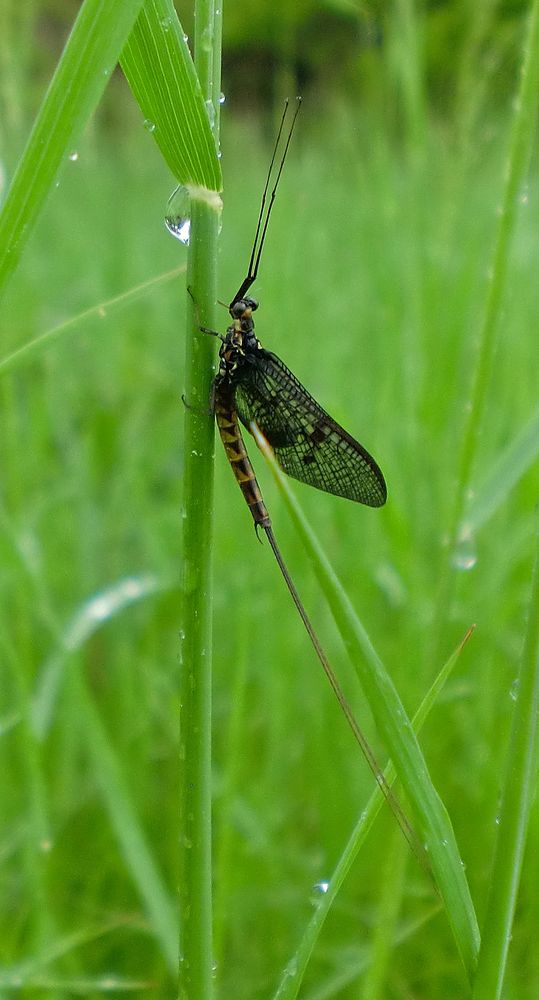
x,y
318,891
149,125
178,214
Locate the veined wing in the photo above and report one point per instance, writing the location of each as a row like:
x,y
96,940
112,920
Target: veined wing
x,y
308,443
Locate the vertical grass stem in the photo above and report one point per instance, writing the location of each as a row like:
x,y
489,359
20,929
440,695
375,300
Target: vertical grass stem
x,y
514,814
520,145
196,960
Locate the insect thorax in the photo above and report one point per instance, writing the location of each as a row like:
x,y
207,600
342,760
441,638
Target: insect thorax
x,y
238,346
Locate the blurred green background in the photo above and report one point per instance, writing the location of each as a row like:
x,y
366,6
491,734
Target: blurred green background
x,y
372,289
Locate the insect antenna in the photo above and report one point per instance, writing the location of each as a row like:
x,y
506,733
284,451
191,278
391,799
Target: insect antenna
x,y
263,216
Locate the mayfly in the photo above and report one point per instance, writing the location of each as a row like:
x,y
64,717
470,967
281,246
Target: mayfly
x,y
253,387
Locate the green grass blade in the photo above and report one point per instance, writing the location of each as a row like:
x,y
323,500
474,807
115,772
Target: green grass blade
x,y
513,463
519,155
402,745
196,975
293,976
520,145
33,350
518,790
129,831
90,54
162,76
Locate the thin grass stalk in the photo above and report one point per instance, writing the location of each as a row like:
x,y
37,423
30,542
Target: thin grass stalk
x,y
514,814
394,725
292,978
196,959
520,145
375,982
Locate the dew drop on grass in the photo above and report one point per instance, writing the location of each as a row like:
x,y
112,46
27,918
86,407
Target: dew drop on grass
x,y
292,968
465,553
206,39
74,156
513,690
319,890
178,214
211,112
149,125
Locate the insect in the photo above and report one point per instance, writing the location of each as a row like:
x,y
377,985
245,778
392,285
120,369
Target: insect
x,y
254,388
254,385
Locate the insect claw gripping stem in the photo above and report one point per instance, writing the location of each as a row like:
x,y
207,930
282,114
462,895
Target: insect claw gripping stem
x,y
203,329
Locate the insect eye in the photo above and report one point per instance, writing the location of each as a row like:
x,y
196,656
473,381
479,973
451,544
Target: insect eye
x,y
251,304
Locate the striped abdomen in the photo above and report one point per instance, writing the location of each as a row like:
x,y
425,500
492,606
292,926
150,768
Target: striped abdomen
x,y
230,431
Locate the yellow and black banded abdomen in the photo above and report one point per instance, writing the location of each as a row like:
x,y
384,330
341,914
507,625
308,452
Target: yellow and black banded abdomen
x,y
230,431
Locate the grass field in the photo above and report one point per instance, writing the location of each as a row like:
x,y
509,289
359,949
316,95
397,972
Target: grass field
x,y
372,289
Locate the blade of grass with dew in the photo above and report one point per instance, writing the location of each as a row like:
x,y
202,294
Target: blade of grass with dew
x,y
513,463
518,790
292,979
160,71
115,791
114,788
520,146
89,56
196,974
126,824
394,725
33,350
89,616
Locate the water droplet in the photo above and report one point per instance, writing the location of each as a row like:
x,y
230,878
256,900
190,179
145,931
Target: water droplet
x,y
319,890
166,23
109,983
149,125
222,98
292,968
211,112
206,39
321,887
513,690
178,214
465,553
74,157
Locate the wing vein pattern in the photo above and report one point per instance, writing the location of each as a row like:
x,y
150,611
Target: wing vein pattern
x,y
309,445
